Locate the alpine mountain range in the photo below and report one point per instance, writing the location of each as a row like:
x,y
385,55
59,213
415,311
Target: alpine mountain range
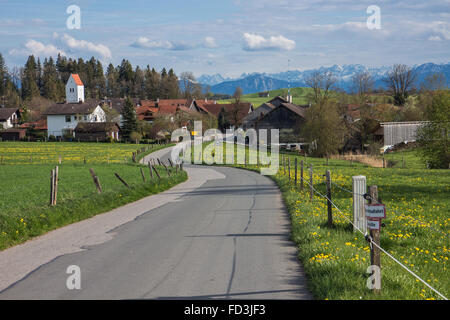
x,y
261,82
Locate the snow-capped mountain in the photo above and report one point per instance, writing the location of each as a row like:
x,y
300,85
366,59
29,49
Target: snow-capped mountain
x,y
258,82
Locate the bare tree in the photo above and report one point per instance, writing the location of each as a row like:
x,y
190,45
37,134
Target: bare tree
x,y
191,88
322,83
363,84
236,106
400,81
435,81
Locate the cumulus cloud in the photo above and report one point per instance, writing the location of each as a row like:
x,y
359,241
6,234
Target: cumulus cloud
x,y
210,42
146,43
38,49
254,42
82,46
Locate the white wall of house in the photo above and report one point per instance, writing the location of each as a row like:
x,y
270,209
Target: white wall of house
x,y
74,92
57,124
9,122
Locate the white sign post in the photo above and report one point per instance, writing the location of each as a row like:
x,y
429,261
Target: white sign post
x,y
374,213
359,189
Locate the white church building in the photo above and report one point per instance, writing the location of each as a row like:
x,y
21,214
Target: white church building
x,y
62,118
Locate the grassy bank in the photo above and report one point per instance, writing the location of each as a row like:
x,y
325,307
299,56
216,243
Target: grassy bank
x,y
416,233
25,194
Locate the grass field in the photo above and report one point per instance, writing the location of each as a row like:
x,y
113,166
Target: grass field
x,y
25,188
70,152
416,233
299,96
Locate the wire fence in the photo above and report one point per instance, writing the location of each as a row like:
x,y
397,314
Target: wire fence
x,y
365,234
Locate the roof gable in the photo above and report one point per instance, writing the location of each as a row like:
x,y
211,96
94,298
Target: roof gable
x,y
77,79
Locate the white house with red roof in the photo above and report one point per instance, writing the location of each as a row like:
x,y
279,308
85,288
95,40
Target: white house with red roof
x,y
74,89
63,118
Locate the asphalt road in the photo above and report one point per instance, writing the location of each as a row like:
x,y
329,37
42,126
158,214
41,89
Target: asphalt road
x,y
226,237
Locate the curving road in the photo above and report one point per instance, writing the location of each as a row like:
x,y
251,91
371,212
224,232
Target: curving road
x,y
224,234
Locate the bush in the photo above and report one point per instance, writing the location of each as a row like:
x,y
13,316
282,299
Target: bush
x,y
434,137
52,138
135,136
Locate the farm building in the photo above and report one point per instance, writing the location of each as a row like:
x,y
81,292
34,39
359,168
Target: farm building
x,y
235,114
13,134
287,118
398,132
97,131
9,117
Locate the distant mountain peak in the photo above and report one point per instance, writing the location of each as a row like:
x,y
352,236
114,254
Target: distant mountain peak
x,y
259,82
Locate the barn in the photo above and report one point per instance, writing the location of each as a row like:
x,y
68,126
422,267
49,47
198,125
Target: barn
x,y
13,134
97,131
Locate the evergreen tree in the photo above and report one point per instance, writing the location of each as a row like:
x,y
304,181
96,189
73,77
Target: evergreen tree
x,y
129,119
111,81
50,87
3,75
30,87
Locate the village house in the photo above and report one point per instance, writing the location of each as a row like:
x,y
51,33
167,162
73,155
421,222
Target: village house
x,y
234,113
9,117
97,131
63,118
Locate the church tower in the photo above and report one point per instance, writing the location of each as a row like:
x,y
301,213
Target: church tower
x,y
74,89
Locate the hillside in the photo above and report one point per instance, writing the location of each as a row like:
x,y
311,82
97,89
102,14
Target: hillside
x,y
299,96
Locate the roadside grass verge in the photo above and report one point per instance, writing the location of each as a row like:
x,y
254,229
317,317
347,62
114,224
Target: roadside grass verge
x,y
336,259
25,193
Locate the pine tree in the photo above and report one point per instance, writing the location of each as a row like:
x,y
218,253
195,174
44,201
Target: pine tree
x,y
3,75
129,119
30,87
50,88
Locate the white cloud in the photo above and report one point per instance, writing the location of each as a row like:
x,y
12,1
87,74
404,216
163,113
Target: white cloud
x,y
84,46
38,49
254,42
144,42
210,42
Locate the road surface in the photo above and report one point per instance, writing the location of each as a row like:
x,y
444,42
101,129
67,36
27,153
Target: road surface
x,y
223,234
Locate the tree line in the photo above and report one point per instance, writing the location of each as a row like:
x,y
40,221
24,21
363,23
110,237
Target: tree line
x,y
48,78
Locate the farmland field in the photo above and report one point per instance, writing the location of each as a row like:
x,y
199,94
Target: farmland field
x,y
25,186
70,152
299,96
416,232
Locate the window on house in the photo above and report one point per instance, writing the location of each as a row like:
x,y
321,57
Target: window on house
x,y
85,118
68,119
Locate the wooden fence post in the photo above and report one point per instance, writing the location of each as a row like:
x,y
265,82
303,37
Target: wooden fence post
x,y
96,181
301,174
330,208
121,180
311,191
295,181
289,170
142,174
375,259
157,174
52,185
150,168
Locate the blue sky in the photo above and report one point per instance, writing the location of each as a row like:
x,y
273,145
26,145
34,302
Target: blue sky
x,y
229,36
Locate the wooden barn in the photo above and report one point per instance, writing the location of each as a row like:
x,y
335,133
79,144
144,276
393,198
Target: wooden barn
x,y
287,118
97,131
13,134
